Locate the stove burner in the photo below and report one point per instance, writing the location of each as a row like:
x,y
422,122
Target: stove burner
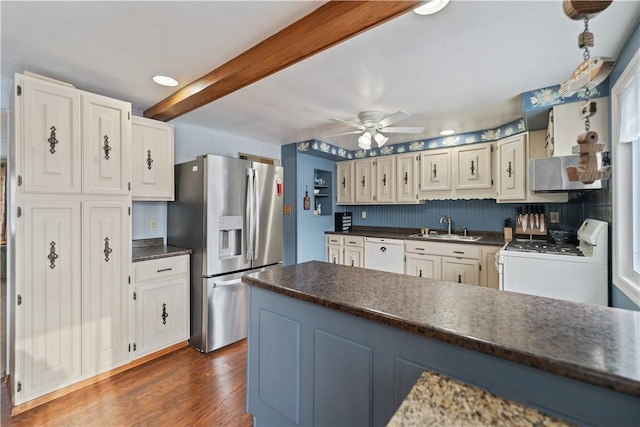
x,y
544,248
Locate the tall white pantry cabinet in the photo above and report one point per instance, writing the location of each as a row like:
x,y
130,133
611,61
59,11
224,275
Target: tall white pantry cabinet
x,y
71,163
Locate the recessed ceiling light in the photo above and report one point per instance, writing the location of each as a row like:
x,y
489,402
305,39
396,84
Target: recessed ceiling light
x,y
431,7
165,81
447,132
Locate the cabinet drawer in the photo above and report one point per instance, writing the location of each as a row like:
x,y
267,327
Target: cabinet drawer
x,y
444,249
159,269
419,247
354,241
334,240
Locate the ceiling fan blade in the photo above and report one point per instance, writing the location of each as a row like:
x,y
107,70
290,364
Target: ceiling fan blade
x,y
344,133
355,125
403,129
391,119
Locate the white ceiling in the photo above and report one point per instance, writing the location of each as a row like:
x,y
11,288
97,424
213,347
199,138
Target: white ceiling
x,y
463,68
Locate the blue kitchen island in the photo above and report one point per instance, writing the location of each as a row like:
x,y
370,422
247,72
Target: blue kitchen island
x,y
339,345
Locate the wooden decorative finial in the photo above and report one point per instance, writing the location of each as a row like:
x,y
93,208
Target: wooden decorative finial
x,y
580,9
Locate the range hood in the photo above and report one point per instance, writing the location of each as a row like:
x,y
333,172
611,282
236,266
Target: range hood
x,y
549,174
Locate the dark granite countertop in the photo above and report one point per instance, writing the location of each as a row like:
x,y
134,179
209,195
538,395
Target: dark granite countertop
x,y
146,249
489,238
589,343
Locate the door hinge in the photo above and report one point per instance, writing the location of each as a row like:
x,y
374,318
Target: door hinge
x,y
134,346
19,212
479,268
491,182
19,180
492,148
129,115
129,348
19,92
374,197
129,279
129,185
19,299
374,163
19,386
129,209
135,296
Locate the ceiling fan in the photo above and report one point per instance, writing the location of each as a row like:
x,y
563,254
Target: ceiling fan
x,y
372,123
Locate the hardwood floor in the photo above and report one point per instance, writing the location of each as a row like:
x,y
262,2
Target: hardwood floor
x,y
184,388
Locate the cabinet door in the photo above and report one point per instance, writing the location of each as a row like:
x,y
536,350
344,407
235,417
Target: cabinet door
x,y
365,181
435,171
512,173
353,256
106,255
345,182
405,178
474,167
162,315
461,270
50,141
385,185
421,265
152,160
489,269
48,322
334,254
106,144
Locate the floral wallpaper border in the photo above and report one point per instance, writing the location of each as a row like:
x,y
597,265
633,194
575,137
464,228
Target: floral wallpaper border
x,y
549,96
512,128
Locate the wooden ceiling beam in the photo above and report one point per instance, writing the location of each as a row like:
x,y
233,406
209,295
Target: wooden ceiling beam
x,y
330,24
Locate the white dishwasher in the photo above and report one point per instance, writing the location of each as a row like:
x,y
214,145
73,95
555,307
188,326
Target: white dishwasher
x,y
384,254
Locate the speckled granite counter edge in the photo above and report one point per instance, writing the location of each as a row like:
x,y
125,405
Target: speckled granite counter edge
x,y
439,400
150,249
558,367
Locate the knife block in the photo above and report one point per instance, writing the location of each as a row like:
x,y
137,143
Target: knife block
x,y
534,231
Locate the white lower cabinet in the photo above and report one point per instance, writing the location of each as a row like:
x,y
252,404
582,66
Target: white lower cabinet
x,y
345,250
423,265
461,270
161,298
48,310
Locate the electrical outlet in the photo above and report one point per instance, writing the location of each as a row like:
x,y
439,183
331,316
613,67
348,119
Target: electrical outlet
x,y
153,224
364,214
554,217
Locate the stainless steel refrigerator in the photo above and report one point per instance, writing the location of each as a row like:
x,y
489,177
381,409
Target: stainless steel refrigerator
x,y
229,213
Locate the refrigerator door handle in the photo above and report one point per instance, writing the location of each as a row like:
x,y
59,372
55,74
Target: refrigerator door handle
x,y
256,214
250,234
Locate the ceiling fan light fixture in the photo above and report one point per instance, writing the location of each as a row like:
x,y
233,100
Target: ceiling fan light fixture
x,y
447,132
364,141
380,139
431,7
165,80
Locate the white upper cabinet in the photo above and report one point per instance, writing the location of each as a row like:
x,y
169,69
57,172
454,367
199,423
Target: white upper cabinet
x,y
473,167
567,125
435,171
106,134
406,178
152,160
345,182
365,183
48,126
385,174
512,169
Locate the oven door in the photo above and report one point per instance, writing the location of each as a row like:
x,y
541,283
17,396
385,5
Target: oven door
x,y
560,278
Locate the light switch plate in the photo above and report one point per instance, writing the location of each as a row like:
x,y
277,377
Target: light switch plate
x,y
153,224
554,217
364,214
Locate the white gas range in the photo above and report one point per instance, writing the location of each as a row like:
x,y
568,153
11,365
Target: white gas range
x,y
574,273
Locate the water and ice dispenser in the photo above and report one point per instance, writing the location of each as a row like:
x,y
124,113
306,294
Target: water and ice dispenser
x,y
230,239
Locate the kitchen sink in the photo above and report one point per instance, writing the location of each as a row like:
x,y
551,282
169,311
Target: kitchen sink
x,y
451,237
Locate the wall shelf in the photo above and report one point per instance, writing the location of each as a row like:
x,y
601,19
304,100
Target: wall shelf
x,y
322,182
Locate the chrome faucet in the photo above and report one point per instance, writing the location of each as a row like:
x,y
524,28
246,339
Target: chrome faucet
x,y
446,219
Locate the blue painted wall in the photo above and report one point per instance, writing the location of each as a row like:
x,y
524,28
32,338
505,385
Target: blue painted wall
x,y
289,163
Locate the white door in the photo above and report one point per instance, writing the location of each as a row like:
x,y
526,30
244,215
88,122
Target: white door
x,y
353,256
106,256
364,181
334,254
106,144
435,173
461,270
405,178
385,185
474,167
345,182
152,159
162,317
48,316
421,265
50,138
512,160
